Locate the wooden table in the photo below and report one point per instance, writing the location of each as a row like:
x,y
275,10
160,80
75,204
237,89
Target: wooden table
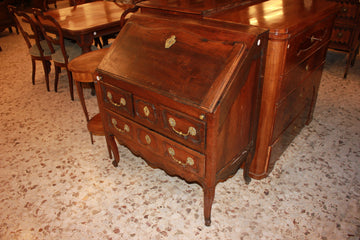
x,y
86,21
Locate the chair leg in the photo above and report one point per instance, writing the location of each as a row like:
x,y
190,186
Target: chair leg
x,y
71,84
57,72
109,150
92,138
33,71
82,100
46,71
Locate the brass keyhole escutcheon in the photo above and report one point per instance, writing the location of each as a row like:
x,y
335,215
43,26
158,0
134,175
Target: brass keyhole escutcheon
x,y
146,111
147,139
170,41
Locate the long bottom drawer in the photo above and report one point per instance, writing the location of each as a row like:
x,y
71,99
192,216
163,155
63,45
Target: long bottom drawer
x,y
156,149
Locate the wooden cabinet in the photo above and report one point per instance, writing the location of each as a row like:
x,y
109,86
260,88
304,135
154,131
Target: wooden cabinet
x,y
184,94
299,36
346,33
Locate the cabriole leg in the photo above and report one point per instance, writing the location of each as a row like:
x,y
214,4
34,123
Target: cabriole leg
x,y
209,194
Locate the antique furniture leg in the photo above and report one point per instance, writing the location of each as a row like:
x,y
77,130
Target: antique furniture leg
x,y
71,84
33,71
57,72
46,70
209,194
246,171
110,141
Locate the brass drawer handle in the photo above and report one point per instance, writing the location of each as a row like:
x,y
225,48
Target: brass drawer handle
x,y
344,9
110,97
191,130
312,39
146,111
126,127
189,160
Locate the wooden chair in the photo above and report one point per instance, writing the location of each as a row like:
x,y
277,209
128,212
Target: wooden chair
x,y
38,47
82,69
6,20
130,7
62,50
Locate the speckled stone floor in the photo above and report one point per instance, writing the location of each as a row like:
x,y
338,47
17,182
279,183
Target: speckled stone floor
x,y
54,184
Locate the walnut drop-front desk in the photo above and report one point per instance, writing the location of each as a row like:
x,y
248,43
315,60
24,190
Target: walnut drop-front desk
x,y
184,94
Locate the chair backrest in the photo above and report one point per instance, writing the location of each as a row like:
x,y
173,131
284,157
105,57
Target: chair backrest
x,y
28,28
52,32
40,4
129,8
4,14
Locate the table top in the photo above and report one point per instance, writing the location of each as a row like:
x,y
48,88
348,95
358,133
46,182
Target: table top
x,y
279,16
88,17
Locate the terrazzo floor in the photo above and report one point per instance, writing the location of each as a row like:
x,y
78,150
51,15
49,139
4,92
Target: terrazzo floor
x,y
54,184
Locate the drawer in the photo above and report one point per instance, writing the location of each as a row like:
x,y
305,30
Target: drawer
x,y
172,156
305,43
184,128
292,106
292,80
348,11
145,111
341,35
117,100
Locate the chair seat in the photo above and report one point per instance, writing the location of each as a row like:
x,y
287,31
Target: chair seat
x,y
83,67
34,50
72,49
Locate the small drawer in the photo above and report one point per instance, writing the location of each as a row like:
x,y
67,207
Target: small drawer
x,y
305,43
348,11
145,111
341,35
116,99
119,126
183,127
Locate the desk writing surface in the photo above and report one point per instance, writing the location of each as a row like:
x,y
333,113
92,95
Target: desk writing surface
x,y
191,69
